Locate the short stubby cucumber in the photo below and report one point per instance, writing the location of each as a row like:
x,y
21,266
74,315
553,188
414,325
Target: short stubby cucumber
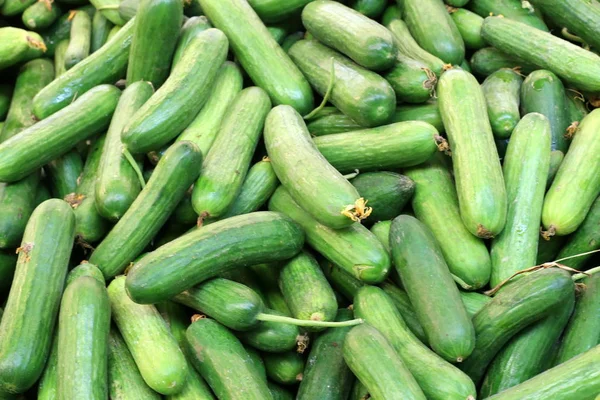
x,y
40,16
18,45
502,96
388,193
469,25
100,29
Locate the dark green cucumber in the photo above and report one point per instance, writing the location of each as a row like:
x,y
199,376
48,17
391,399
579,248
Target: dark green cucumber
x,y
154,40
488,60
548,249
204,128
19,45
511,9
48,383
356,250
391,13
469,25
261,57
226,164
585,239
359,391
326,375
190,28
513,309
40,15
172,107
344,283
576,185
42,194
64,173
172,177
388,193
570,62
576,110
257,360
291,39
412,80
271,337
222,360
544,93
371,8
80,39
284,368
420,263
556,158
17,202
277,10
100,29
152,345
477,170
377,365
404,306
362,95
474,301
525,171
278,32
117,184
305,173
333,123
466,66
83,326
427,112
502,91
279,393
59,57
8,263
36,290
6,92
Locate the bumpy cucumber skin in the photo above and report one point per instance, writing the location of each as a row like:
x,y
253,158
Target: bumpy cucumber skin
x,y
387,192
362,95
190,28
469,25
576,184
477,170
100,29
488,60
586,238
261,57
38,16
17,201
284,368
80,39
510,9
277,10
525,171
36,290
502,96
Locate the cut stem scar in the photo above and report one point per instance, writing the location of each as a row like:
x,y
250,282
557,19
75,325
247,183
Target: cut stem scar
x,y
327,92
308,323
357,211
135,166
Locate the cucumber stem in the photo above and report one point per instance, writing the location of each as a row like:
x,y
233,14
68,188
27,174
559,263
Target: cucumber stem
x,y
585,274
327,92
352,175
135,166
577,255
461,283
303,322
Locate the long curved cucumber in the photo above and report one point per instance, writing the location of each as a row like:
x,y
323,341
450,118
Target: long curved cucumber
x,y
469,26
502,95
585,239
388,193
190,28
17,202
80,39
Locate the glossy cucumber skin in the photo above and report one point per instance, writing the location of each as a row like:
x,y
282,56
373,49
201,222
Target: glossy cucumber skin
x,y
172,177
338,26
407,311
586,238
510,9
387,192
38,16
576,185
284,368
525,171
477,170
180,98
377,365
17,202
36,290
153,347
80,39
271,337
525,301
398,145
228,160
261,57
304,171
356,250
577,66
362,95
488,60
154,40
502,95
277,10
190,28
64,172
100,29
469,26
427,112
19,45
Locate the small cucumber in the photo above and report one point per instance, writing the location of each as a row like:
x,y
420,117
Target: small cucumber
x,y
59,57
8,263
427,112
40,15
333,123
271,337
412,80
488,60
19,45
64,173
576,110
388,193
100,29
10,8
510,9
190,28
284,368
17,202
502,95
585,239
469,25
61,29
80,39
277,10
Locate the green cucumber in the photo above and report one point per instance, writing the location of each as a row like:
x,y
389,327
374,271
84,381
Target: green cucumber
x,y
154,40
570,62
291,39
278,32
556,158
190,28
388,193
85,269
61,29
427,112
576,110
203,130
153,347
80,39
548,249
277,10
404,306
371,8
511,9
40,15
257,360
59,57
420,263
172,107
333,123
391,13
585,239
377,365
19,45
113,32
488,60
260,56
279,393
100,29
398,145
525,171
362,95
474,301
513,309
359,391
469,25
284,368
48,383
502,95
36,290
8,263
143,219
412,80
344,283
110,10
479,182
576,185
42,194
6,92
271,337
360,38
17,202
64,173
11,8
435,203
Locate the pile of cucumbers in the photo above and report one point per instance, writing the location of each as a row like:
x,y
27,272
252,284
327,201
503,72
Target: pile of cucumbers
x,y
300,199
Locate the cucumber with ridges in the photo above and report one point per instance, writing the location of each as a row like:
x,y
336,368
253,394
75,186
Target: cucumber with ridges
x,y
502,95
100,29
17,202
40,15
388,193
488,60
19,45
64,173
284,368
80,39
511,9
277,10
190,28
469,25
586,238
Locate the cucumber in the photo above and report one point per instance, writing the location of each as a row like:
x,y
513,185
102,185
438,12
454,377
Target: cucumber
x,y
436,204
556,158
548,249
6,92
402,302
8,263
100,29
11,8
83,326
377,365
522,303
257,361
19,45
64,173
420,263
17,202
391,13
61,30
260,56
333,123
85,269
42,194
344,283
585,239
150,210
278,392
117,184
226,165
110,10
80,39
154,40
59,57
511,9
190,28
106,65
277,10
35,291
576,110
291,39
359,391
474,301
47,386
272,337
412,80
360,38
469,26
362,95
488,60
427,112
204,128
479,182
398,145
224,363
305,173
575,65
502,95
456,3
179,99
113,32
370,8
153,347
278,33
326,375
40,15
525,171
388,193
576,185
284,368
356,250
